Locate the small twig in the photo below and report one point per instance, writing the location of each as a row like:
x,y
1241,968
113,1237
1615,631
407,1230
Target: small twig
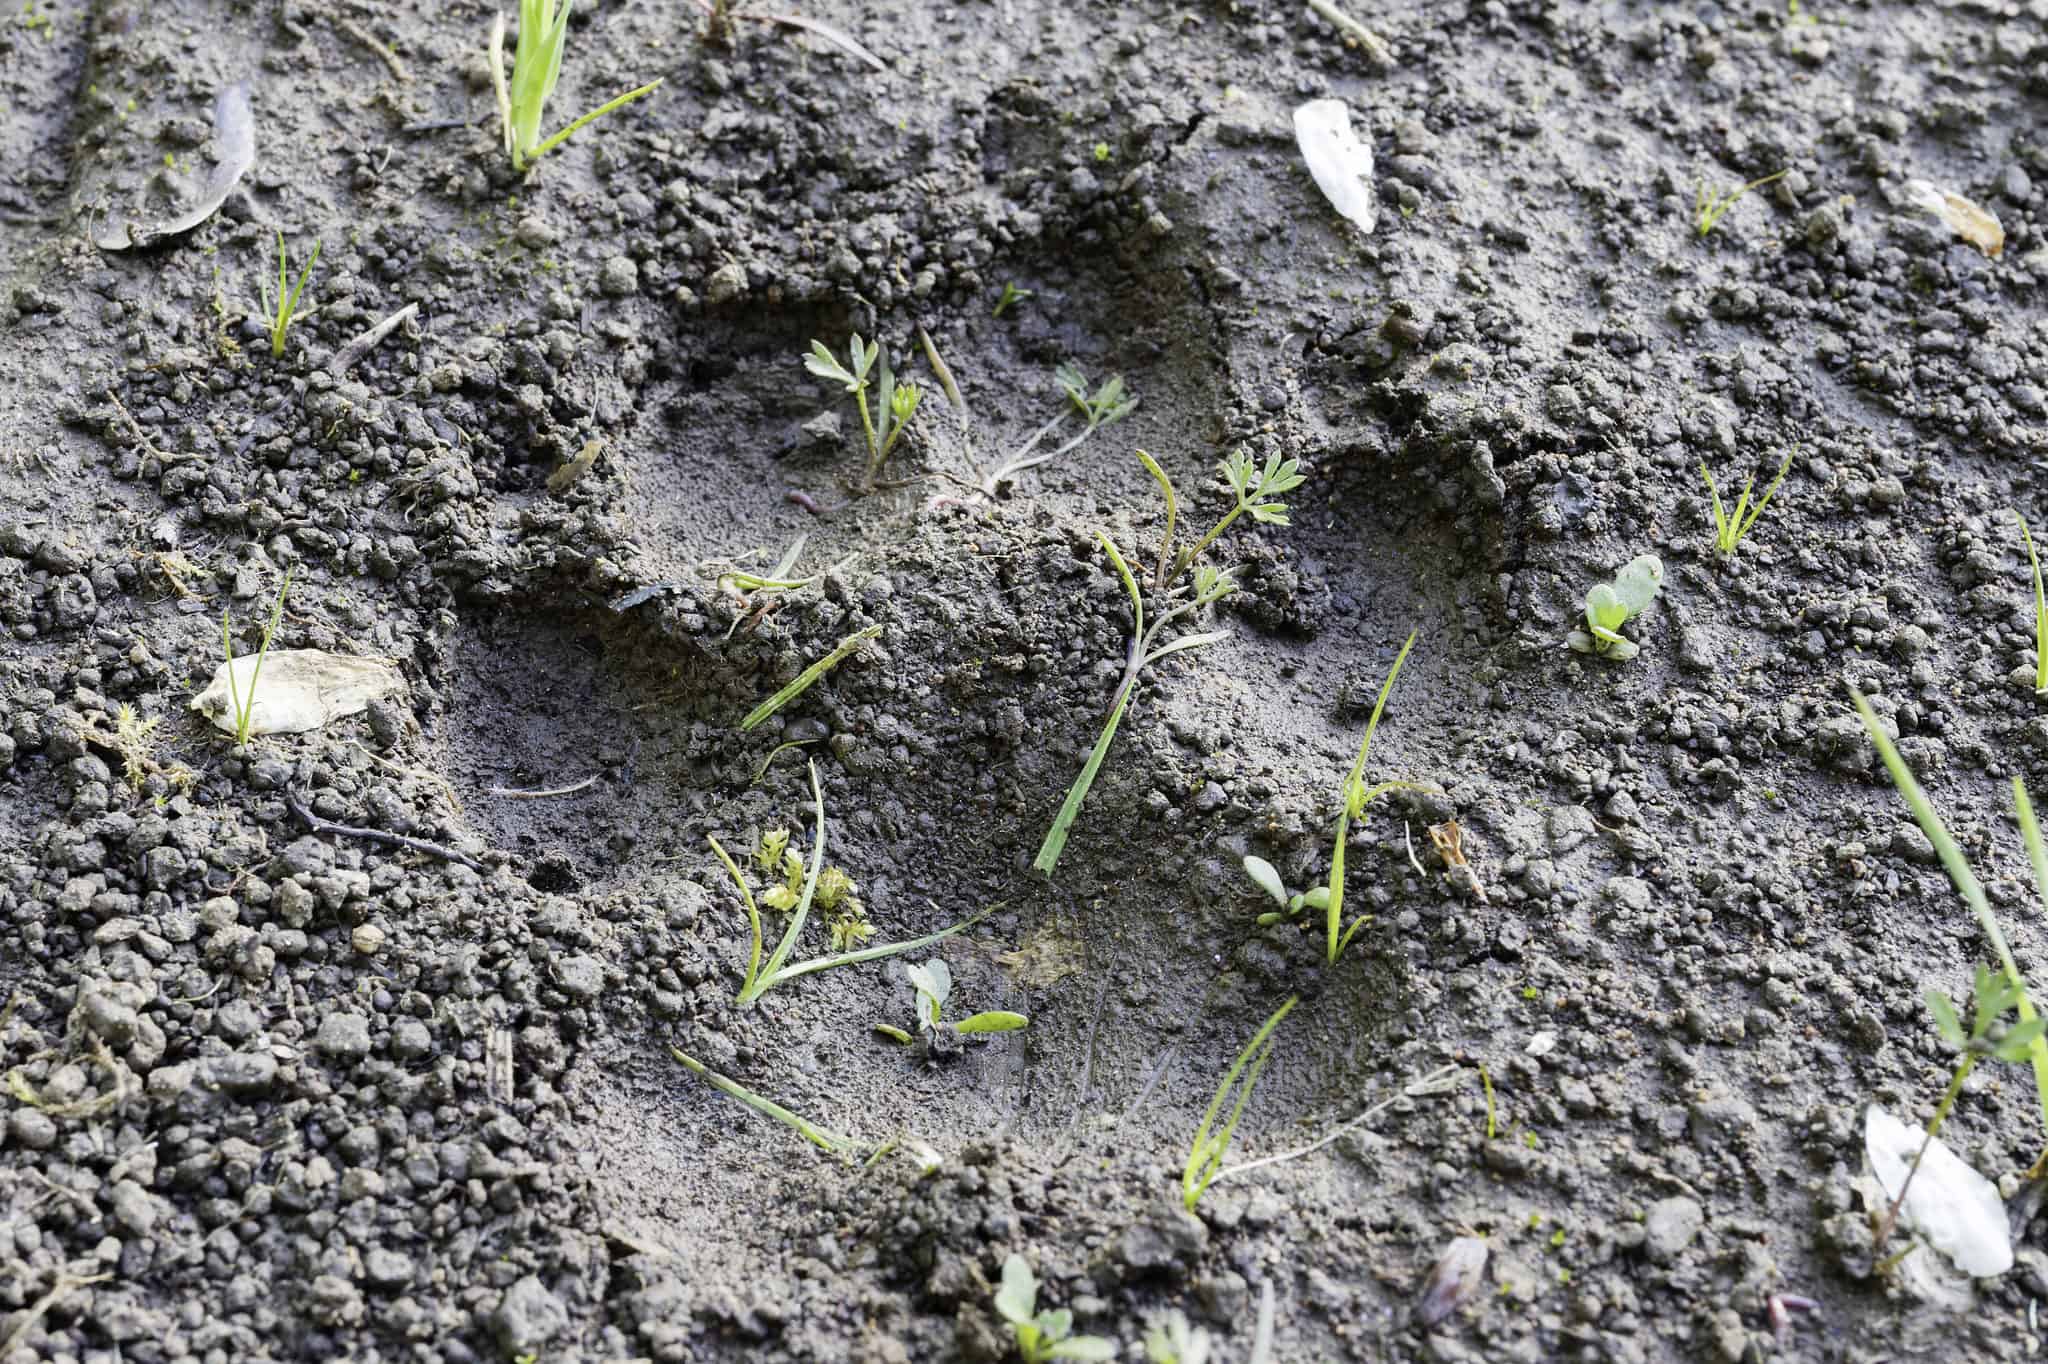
x,y
65,1284
510,794
1374,46
135,427
418,845
345,358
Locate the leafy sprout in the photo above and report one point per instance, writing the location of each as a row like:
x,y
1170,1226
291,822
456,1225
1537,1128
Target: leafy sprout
x,y
761,978
1729,530
1104,405
897,402
1710,206
1011,295
1212,1138
1253,491
288,298
536,65
1047,1335
1611,605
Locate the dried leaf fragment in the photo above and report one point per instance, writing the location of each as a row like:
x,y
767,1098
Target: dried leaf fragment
x,y
297,690
1453,1280
1974,225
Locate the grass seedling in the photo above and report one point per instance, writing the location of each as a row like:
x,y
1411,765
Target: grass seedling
x,y
824,1138
1609,606
1729,530
288,298
245,704
1965,881
1210,585
1011,295
1710,206
1105,405
898,402
2040,612
763,977
536,65
1171,1340
1994,996
1212,1141
809,675
1046,1335
1354,797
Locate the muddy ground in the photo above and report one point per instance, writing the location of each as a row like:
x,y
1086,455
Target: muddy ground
x,y
278,1092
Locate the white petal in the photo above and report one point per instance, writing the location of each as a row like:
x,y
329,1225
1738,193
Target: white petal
x,y
1955,1208
1341,164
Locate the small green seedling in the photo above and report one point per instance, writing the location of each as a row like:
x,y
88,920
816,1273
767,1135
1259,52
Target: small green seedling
x,y
1967,886
2040,612
1046,1335
1609,606
1729,530
1011,295
1171,1340
1103,406
1710,206
288,298
898,402
1210,585
1995,996
1212,1141
1267,878
1353,798
245,705
933,982
536,65
761,978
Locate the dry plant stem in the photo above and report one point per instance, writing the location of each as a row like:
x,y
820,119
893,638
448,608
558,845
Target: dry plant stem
x,y
40,1307
1948,1098
418,845
1374,46
511,793
345,359
1023,459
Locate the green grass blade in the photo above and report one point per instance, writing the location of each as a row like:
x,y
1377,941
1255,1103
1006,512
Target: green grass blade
x,y
809,675
823,1137
1205,1154
1123,570
1070,809
593,116
1722,541
1756,512
1172,509
2040,611
753,915
891,949
2037,857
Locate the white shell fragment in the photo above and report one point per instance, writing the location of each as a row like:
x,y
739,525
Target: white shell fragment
x,y
297,690
1453,1279
1977,226
1956,1209
1341,164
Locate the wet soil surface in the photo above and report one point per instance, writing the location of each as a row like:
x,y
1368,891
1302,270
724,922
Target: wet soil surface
x,y
278,1091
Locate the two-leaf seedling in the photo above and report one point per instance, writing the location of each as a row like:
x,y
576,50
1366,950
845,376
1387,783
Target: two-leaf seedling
x,y
1102,406
1609,606
536,65
933,981
1047,1335
898,402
